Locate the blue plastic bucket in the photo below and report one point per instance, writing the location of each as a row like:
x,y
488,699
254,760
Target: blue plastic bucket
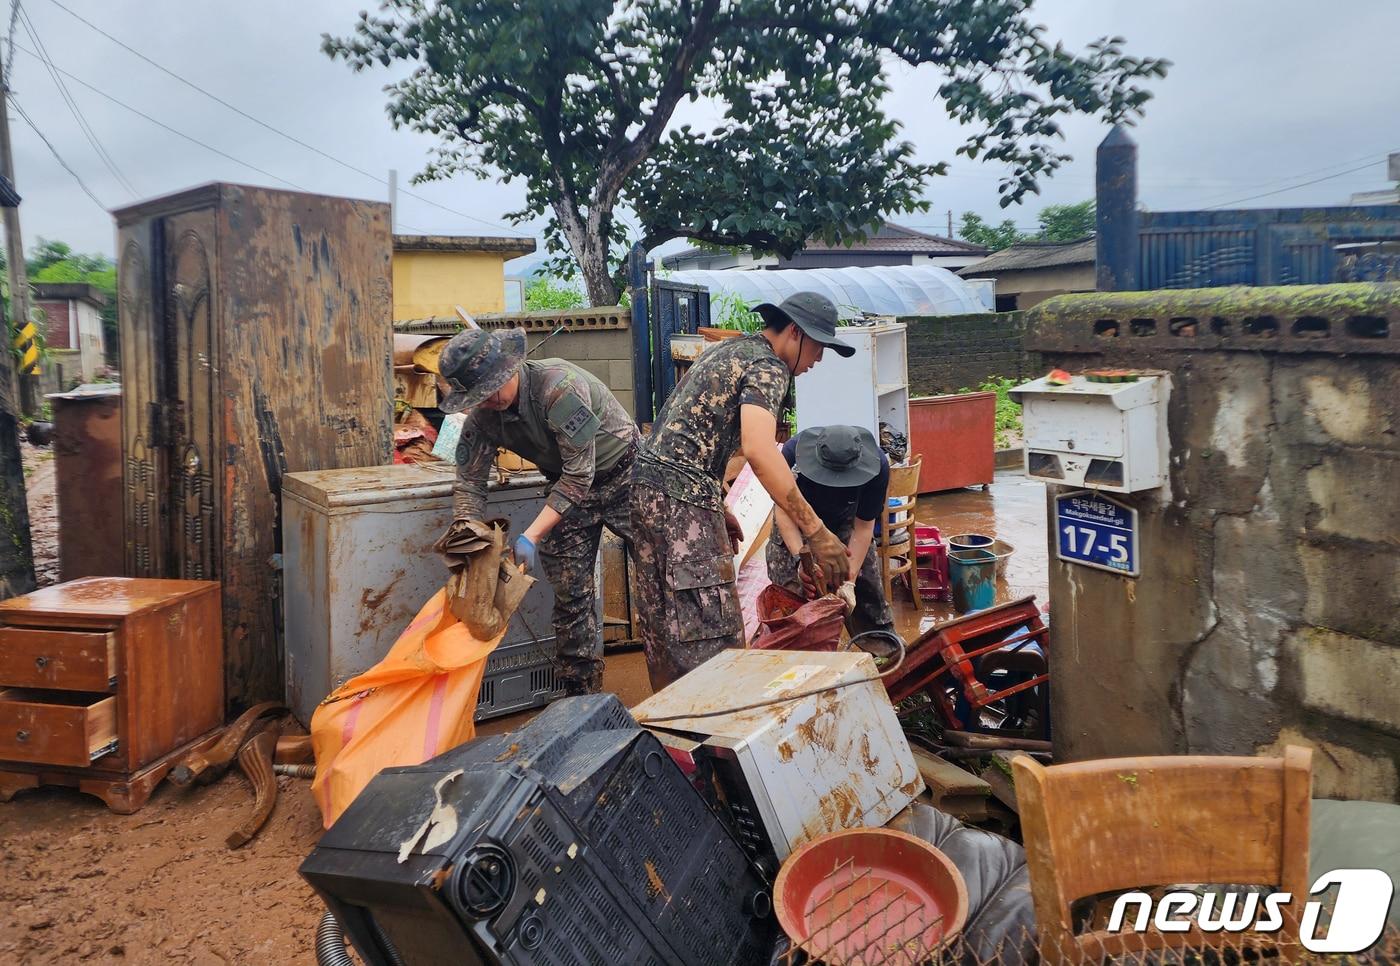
x,y
973,574
969,541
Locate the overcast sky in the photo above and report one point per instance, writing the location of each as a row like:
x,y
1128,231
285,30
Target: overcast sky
x,y
1264,94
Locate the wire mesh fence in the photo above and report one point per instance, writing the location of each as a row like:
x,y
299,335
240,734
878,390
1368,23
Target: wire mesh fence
x,y
851,944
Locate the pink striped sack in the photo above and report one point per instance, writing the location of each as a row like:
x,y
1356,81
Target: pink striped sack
x,y
416,703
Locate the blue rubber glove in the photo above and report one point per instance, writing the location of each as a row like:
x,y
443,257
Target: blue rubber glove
x,y
525,552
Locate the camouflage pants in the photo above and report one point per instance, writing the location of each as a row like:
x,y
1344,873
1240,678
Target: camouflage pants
x,y
687,602
872,611
569,557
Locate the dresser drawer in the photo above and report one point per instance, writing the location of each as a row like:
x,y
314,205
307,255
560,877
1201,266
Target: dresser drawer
x,y
56,727
37,657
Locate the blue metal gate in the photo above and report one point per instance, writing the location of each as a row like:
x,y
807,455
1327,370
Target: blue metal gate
x,y
1268,246
659,311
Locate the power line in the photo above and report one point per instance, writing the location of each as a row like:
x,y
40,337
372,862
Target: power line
x,y
167,127
1304,184
1370,158
280,133
54,151
73,108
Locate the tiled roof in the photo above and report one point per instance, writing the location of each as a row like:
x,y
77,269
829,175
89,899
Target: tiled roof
x,y
1029,255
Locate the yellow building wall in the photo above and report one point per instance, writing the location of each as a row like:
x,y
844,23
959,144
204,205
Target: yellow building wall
x,y
434,283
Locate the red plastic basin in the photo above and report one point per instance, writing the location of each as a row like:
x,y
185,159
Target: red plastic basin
x,y
863,895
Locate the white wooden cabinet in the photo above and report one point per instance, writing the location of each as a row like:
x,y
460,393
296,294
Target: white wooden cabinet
x,y
867,389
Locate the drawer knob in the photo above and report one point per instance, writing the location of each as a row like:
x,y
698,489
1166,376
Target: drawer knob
x,y
21,735
41,662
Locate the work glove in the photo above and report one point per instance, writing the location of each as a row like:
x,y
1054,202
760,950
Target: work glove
x,y
829,559
734,529
525,552
847,593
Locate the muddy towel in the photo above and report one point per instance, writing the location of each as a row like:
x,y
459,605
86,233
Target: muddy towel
x,y
485,588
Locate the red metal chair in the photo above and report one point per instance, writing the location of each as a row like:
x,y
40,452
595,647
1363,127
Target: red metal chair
x,y
964,653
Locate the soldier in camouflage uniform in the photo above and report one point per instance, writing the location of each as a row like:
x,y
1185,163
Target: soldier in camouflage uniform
x,y
565,421
846,478
683,539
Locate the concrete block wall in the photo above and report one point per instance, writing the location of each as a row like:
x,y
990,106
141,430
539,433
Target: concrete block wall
x,y
952,352
598,340
1268,610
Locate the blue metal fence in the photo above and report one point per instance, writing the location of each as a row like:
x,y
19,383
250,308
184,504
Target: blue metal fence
x,y
1268,246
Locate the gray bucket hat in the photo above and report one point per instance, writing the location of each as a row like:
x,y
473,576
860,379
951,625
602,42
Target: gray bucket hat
x,y
475,363
814,314
838,455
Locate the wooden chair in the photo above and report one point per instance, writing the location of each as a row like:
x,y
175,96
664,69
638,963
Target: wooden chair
x,y
896,541
1121,824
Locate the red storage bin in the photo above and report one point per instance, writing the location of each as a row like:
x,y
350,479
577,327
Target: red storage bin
x,y
956,435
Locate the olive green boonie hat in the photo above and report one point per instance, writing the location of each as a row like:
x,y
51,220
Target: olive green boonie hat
x,y
814,314
475,363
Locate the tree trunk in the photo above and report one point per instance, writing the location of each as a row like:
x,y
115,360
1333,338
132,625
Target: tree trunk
x,y
592,255
588,244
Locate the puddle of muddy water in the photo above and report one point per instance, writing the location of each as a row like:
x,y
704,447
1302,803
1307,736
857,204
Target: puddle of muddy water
x,y
1013,510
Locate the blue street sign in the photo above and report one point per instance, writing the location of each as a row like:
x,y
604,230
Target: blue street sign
x,y
1096,531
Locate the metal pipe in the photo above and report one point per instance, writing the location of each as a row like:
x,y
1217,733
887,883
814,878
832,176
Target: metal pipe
x,y
296,771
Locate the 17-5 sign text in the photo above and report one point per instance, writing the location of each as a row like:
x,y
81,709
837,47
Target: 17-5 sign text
x,y
1096,531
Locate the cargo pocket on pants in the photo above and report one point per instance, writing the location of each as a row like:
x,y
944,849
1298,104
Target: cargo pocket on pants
x,y
703,599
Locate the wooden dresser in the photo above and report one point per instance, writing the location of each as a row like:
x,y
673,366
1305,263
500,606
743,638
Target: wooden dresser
x,y
105,681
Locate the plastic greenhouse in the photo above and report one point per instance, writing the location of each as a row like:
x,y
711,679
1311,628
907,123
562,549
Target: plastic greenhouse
x,y
898,290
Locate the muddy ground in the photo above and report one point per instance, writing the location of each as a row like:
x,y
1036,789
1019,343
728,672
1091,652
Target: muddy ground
x,y
81,884
43,510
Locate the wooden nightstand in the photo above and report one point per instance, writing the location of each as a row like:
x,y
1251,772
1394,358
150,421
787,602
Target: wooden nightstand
x,y
105,681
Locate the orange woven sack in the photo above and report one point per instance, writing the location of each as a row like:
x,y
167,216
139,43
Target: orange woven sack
x,y
418,702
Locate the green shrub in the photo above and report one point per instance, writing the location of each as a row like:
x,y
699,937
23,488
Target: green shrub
x,y
545,294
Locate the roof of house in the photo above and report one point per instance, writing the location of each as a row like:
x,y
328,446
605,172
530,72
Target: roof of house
x,y
889,239
508,245
51,291
1025,256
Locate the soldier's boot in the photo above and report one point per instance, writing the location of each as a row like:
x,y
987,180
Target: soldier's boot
x,y
581,681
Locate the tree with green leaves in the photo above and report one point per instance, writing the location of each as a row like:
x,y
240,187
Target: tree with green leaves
x,y
55,261
578,98
1064,223
991,237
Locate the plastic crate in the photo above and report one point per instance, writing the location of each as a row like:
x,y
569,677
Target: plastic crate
x,y
518,677
573,840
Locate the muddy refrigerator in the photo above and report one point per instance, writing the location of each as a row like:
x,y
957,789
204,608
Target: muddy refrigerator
x,y
573,840
358,563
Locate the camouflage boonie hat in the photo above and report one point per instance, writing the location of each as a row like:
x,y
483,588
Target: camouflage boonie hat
x,y
475,363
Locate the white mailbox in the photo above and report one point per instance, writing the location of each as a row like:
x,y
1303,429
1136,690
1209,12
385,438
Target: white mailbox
x,y
1103,435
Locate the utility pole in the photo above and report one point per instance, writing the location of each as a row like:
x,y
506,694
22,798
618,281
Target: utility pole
x,y
393,201
950,222
16,552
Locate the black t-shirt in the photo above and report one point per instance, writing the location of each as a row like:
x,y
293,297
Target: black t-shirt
x,y
838,505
